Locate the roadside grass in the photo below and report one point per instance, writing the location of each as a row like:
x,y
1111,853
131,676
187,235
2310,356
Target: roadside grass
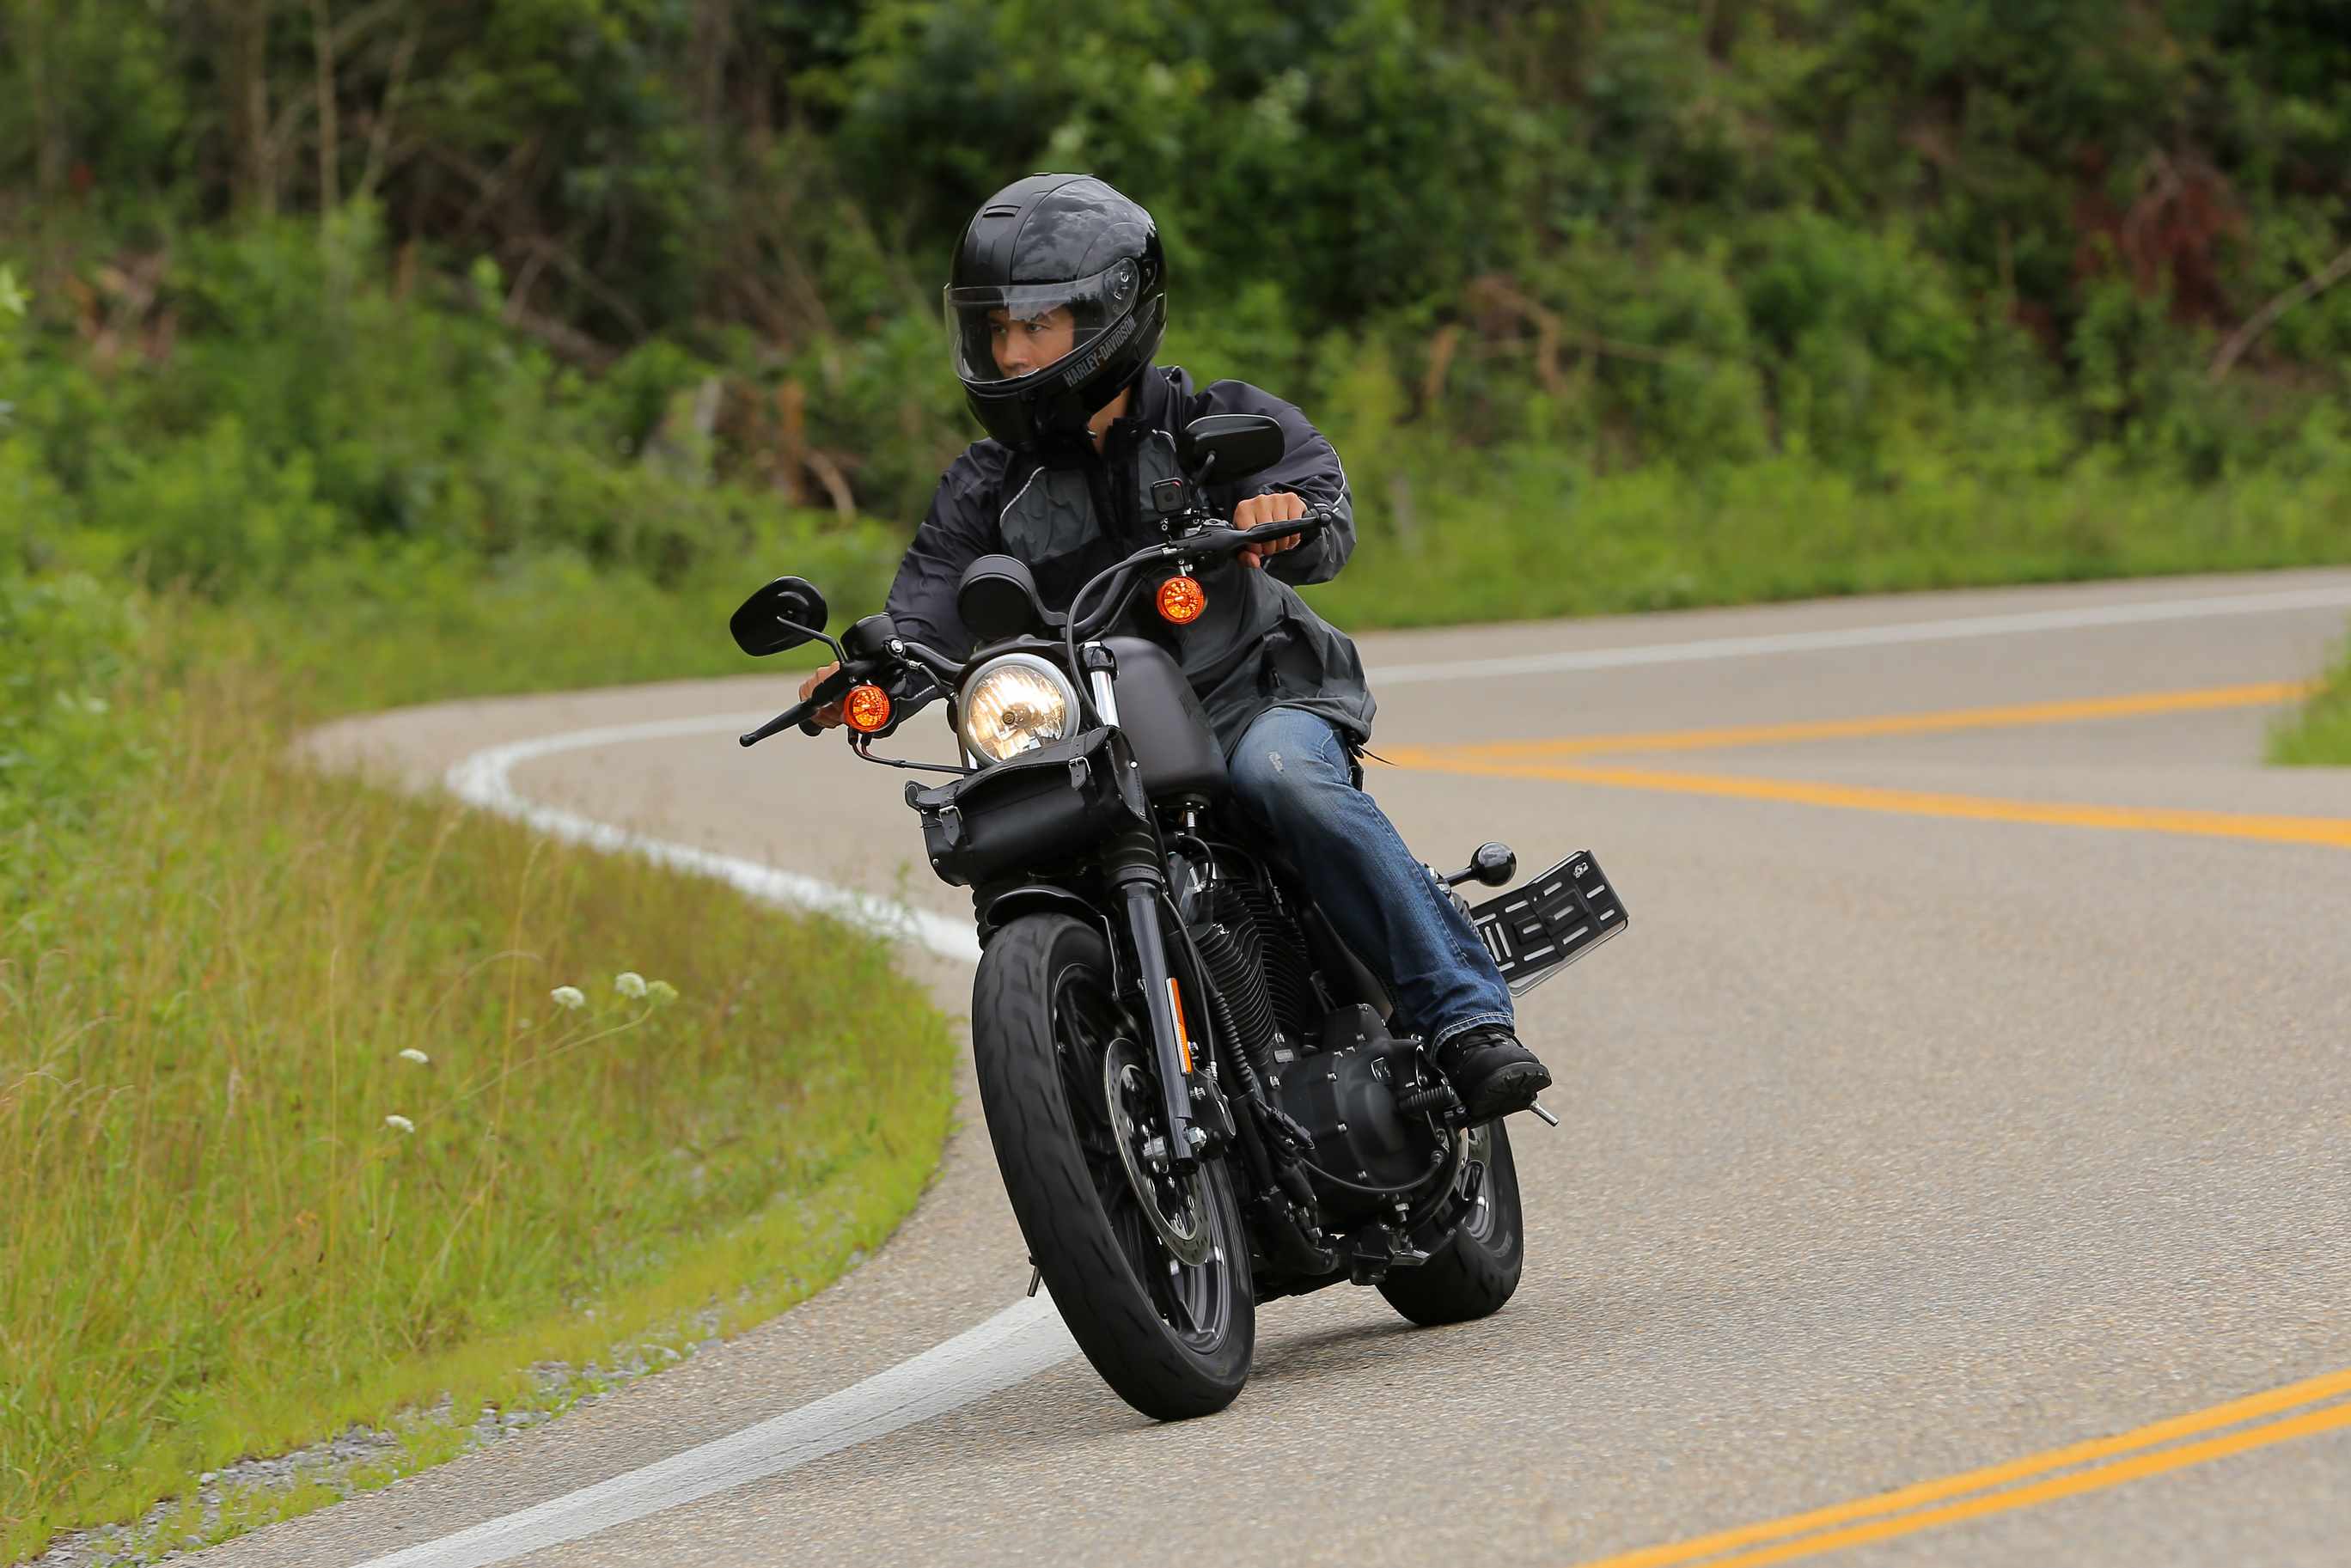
x,y
2320,734
1531,538
384,628
220,1244
1537,538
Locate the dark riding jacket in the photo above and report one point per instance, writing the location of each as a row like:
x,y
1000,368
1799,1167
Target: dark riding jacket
x,y
1257,647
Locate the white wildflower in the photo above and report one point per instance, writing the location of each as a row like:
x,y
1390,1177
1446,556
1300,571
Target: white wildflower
x,y
410,1053
399,1124
628,983
661,991
569,997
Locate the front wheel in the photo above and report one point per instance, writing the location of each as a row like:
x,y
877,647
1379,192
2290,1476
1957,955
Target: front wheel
x,y
1151,1274
1473,1274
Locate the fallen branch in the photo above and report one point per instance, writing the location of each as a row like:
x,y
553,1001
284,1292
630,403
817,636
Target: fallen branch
x,y
2262,319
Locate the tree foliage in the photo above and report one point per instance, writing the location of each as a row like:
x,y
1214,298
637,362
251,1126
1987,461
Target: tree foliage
x,y
1639,229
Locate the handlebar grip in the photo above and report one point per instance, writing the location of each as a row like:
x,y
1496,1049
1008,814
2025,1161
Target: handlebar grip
x,y
1308,524
1312,522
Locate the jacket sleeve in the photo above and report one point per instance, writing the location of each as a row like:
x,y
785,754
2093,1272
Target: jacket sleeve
x,y
1309,469
958,530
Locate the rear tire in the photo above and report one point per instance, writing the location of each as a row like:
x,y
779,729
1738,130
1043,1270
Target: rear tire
x,y
1177,1343
1473,1274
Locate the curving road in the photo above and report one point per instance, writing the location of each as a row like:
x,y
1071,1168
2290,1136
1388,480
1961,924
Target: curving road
x,y
1955,1169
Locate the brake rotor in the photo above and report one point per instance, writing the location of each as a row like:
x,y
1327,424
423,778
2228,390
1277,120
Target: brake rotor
x,y
1131,1095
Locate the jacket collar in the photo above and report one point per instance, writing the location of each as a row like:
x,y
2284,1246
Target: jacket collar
x,y
1154,408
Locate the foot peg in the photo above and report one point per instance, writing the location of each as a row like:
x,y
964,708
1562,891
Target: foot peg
x,y
1493,864
1549,1121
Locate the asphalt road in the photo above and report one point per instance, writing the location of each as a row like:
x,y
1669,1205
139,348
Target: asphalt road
x,y
1971,1088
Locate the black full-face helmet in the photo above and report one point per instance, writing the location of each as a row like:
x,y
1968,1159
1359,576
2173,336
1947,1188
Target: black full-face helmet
x,y
1046,243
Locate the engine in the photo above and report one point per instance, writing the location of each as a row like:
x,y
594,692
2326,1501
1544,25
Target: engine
x,y
1359,1096
1364,1098
1255,954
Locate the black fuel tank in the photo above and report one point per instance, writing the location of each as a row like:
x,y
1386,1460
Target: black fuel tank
x,y
1164,723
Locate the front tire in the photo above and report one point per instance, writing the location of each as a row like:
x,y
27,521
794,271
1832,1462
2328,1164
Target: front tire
x,y
1172,1339
1473,1274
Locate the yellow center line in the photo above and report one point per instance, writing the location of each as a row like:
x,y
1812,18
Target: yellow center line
x,y
1537,759
2138,1459
2333,832
2070,711
2105,1461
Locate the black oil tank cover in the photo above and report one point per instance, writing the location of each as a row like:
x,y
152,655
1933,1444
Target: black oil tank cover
x,y
1164,723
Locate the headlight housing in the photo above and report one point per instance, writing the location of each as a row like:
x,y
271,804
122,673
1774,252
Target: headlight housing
x,y
1016,704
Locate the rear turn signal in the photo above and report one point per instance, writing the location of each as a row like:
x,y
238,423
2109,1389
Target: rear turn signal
x,y
1182,600
865,709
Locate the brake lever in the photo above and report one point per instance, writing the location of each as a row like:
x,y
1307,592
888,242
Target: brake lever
x,y
1239,539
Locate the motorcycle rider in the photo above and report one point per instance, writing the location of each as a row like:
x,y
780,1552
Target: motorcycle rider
x,y
1056,305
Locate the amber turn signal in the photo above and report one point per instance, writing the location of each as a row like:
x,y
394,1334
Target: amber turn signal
x,y
865,709
1182,600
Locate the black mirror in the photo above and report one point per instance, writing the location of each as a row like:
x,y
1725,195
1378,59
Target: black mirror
x,y
786,613
1224,448
998,598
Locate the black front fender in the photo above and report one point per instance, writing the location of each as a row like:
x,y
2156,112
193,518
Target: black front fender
x,y
998,909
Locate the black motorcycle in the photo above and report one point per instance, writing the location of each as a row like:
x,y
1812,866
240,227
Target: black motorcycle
x,y
1199,1098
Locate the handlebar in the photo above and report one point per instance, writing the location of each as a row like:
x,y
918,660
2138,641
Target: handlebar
x,y
835,686
1212,543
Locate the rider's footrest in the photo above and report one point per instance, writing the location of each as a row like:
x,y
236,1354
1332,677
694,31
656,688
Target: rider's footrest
x,y
1540,926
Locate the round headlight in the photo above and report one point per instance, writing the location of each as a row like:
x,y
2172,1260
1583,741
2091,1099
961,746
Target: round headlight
x,y
1016,704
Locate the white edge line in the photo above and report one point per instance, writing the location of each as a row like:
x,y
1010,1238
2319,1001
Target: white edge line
x,y
1024,1339
482,780
1871,636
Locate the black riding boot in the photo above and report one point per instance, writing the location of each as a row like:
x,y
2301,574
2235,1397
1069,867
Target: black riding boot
x,y
1492,1072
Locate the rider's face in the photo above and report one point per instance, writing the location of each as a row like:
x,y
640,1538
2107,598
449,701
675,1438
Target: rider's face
x,y
1024,346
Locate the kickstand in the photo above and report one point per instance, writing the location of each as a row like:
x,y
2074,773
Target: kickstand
x,y
1036,1274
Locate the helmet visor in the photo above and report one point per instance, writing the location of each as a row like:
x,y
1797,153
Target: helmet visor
x,y
1000,334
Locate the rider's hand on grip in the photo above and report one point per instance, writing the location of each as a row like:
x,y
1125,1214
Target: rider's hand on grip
x,y
1281,506
827,717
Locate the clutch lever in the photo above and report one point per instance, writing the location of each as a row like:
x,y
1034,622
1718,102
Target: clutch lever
x,y
831,687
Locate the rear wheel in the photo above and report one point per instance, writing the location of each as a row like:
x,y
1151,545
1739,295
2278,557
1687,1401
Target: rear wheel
x,y
1473,1274
1150,1272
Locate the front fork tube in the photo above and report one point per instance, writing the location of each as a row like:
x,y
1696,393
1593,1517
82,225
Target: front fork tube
x,y
1134,868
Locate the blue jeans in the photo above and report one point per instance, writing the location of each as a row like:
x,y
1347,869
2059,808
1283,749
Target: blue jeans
x,y
1292,773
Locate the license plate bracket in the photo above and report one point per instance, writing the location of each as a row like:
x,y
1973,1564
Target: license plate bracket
x,y
1547,923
